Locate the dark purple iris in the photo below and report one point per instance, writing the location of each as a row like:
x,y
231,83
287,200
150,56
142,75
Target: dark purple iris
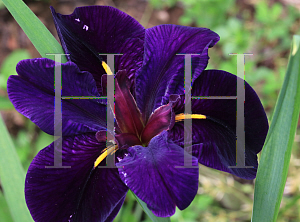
x,y
149,107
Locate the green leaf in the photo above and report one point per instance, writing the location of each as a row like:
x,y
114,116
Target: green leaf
x,y
262,12
276,11
276,154
12,177
38,34
9,65
4,210
149,212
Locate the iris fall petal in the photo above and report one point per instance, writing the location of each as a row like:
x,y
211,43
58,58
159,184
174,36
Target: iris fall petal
x,y
60,194
214,138
32,94
154,174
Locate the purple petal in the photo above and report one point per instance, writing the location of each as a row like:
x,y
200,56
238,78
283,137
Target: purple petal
x,y
162,73
214,138
32,94
76,193
152,174
91,30
116,210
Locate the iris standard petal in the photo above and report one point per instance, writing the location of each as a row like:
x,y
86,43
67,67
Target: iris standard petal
x,y
73,194
154,174
91,30
214,138
32,94
162,73
128,116
160,120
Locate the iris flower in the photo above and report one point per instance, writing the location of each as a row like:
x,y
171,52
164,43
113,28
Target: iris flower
x,y
149,109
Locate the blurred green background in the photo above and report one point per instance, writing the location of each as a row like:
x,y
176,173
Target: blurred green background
x,y
263,28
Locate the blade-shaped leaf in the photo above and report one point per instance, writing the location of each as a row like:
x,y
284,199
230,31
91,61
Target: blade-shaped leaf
x,y
4,210
276,154
149,212
12,177
38,34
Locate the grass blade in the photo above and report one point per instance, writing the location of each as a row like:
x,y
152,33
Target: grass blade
x,y
12,177
276,154
38,34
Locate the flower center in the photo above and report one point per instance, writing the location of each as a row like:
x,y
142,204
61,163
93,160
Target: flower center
x,y
133,130
113,148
